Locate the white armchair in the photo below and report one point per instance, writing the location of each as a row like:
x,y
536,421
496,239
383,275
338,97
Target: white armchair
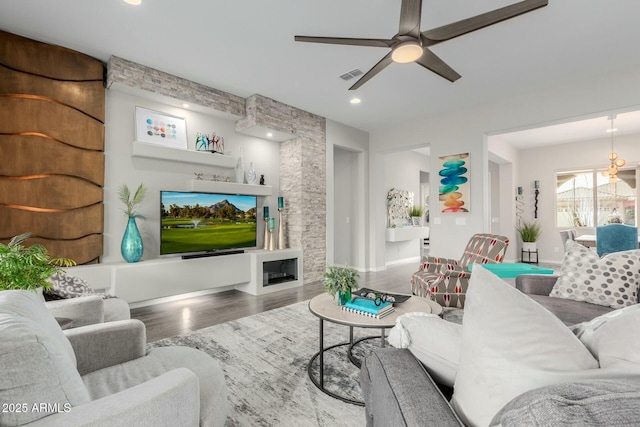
x,y
99,375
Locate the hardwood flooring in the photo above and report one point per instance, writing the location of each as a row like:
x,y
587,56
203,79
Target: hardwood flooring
x,y
178,317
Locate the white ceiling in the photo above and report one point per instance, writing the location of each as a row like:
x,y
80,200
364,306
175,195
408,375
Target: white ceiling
x,y
246,47
581,130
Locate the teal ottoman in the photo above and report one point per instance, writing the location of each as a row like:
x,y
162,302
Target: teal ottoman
x,y
508,271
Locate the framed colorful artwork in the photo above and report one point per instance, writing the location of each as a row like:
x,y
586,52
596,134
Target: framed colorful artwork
x,y
453,191
160,128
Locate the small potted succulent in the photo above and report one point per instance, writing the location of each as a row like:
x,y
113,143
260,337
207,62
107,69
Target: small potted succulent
x,y
416,212
340,281
27,267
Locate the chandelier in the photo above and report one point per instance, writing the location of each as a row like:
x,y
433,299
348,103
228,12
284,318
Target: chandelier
x,y
614,161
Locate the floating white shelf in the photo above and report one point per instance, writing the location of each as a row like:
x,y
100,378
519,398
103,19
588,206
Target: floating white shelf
x,y
229,187
153,151
406,233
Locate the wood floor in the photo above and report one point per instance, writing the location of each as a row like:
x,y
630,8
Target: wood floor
x,y
178,317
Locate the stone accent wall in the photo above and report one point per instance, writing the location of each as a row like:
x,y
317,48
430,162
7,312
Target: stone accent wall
x,y
303,176
140,77
302,158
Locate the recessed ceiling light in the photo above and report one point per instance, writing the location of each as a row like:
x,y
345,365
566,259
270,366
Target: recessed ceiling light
x,y
185,105
355,100
612,130
133,2
269,134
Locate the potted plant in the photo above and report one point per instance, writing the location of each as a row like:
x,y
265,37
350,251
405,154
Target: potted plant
x,y
416,212
529,233
131,246
29,267
340,281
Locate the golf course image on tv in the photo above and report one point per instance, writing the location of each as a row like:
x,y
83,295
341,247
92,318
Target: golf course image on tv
x,y
199,222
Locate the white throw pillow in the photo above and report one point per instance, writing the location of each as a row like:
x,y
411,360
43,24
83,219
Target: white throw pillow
x,y
613,339
433,341
510,344
611,281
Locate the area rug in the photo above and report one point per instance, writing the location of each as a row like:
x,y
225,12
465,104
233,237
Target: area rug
x,y
265,358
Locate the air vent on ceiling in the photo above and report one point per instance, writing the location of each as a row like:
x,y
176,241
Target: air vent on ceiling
x,y
351,74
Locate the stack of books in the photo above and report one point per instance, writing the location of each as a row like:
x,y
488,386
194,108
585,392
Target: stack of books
x,y
367,307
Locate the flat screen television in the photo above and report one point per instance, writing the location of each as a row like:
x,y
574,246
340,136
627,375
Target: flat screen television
x,y
206,222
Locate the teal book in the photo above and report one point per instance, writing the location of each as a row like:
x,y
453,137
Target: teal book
x,y
369,306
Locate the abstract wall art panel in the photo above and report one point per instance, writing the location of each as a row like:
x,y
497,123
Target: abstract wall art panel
x,y
454,183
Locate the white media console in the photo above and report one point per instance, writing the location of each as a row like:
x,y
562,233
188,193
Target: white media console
x,y
256,272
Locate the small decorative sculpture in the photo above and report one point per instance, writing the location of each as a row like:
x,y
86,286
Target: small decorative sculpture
x,y
251,174
240,170
536,185
261,179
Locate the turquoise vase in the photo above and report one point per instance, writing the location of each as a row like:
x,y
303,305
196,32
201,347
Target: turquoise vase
x,y
344,297
131,246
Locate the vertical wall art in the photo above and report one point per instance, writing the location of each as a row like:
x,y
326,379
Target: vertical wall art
x,y
398,204
454,183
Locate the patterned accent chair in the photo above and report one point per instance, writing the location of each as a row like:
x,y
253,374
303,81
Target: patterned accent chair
x,y
445,280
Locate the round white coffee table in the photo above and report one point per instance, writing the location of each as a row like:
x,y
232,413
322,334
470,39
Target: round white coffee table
x,y
325,307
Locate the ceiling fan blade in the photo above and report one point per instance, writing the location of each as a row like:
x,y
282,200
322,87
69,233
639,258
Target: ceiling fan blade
x,y
381,65
432,62
468,25
410,13
346,41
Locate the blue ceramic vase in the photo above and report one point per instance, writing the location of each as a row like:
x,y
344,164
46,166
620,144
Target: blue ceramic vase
x,y
131,246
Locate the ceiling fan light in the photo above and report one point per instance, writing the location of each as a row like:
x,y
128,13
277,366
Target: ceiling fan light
x,y
613,179
406,52
613,156
620,162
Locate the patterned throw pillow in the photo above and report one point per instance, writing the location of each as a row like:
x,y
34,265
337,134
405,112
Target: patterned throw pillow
x,y
610,281
66,286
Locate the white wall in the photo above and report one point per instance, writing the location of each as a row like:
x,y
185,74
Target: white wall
x,y
466,131
544,162
402,172
121,168
357,142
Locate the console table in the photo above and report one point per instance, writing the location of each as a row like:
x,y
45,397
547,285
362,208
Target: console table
x,y
143,282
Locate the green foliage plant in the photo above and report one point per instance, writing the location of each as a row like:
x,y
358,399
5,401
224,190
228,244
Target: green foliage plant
x,y
132,202
339,279
27,268
529,231
416,211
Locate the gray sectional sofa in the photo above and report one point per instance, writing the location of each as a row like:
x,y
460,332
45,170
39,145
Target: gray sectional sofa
x,y
398,391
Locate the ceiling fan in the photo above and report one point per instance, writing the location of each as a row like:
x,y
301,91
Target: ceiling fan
x,y
411,45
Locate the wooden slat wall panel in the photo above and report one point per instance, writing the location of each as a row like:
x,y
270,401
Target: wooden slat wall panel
x,y
20,115
40,155
64,225
47,60
85,250
52,106
84,96
50,192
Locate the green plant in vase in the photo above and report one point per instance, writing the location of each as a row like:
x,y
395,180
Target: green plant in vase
x,y
132,246
27,267
416,212
340,281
